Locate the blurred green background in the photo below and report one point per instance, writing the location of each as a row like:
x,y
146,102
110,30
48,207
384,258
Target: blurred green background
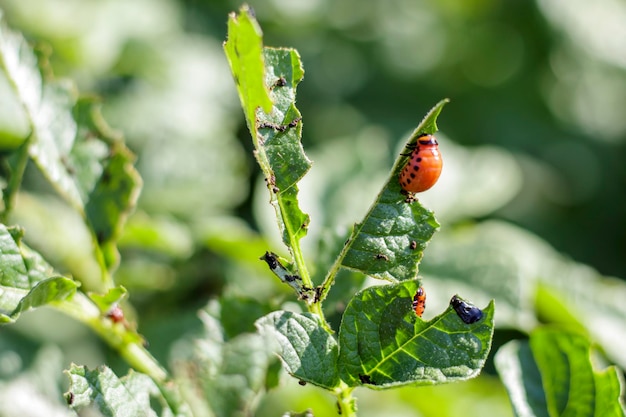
x,y
533,141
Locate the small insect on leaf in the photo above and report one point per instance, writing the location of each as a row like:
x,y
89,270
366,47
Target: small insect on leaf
x,y
469,313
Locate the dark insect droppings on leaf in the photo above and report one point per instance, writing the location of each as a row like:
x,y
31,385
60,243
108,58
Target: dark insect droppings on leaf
x,y
301,382
271,180
413,245
382,256
294,122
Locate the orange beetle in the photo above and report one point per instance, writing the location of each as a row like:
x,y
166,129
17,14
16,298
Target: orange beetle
x,y
419,301
423,169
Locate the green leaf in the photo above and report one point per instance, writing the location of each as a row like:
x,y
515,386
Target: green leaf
x,y
384,344
389,242
266,80
104,171
552,374
112,396
244,52
241,377
525,275
224,376
308,351
72,146
46,292
518,370
19,65
26,281
486,260
109,300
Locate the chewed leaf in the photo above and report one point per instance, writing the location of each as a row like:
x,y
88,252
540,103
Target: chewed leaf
x,y
244,52
390,241
279,140
112,396
269,75
308,351
384,344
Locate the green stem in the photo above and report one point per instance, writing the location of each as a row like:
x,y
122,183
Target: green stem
x,y
298,258
124,341
329,280
346,403
119,337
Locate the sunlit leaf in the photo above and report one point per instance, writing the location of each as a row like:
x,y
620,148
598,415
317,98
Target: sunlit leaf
x,y
27,281
266,79
112,396
244,49
485,261
384,344
308,351
390,241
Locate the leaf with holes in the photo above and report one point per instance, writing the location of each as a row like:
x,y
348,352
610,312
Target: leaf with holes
x,y
384,344
390,241
266,79
308,351
112,396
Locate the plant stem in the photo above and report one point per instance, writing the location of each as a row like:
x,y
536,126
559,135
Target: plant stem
x,y
117,336
124,341
346,403
316,306
329,280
